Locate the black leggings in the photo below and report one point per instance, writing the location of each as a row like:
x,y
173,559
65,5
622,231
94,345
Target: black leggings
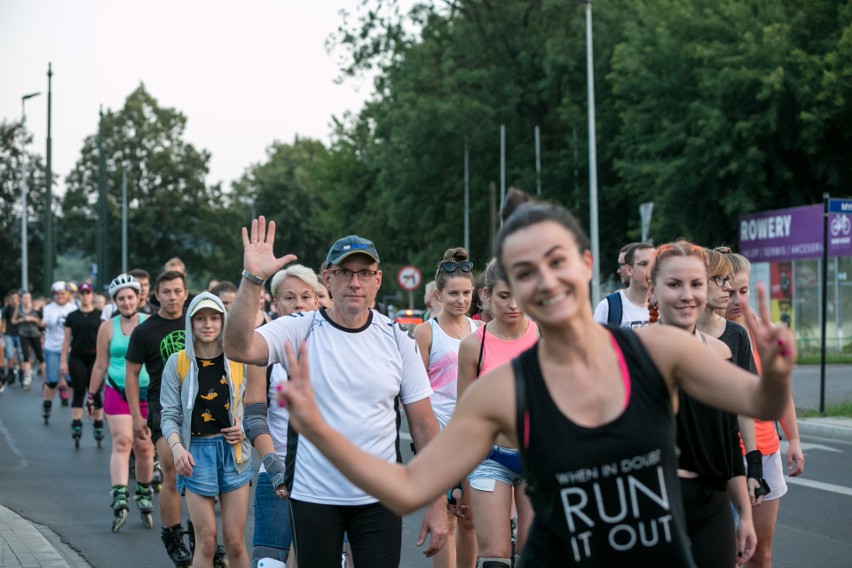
x,y
80,370
375,534
710,524
33,343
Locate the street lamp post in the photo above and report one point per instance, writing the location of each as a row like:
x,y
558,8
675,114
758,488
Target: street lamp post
x,y
24,217
593,162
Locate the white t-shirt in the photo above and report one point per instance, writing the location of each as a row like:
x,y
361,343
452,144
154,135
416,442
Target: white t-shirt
x,y
631,315
54,320
277,417
443,371
356,375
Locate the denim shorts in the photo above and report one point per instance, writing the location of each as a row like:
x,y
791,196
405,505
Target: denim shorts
x,y
271,520
12,346
51,367
486,473
215,471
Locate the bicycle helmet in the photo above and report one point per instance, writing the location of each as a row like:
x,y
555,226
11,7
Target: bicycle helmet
x,y
123,281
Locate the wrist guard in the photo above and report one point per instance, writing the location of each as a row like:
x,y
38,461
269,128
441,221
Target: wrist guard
x,y
754,470
274,469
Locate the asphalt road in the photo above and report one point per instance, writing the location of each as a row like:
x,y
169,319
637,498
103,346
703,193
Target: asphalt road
x,y
45,480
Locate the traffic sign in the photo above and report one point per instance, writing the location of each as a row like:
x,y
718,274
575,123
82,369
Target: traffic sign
x,y
840,206
409,277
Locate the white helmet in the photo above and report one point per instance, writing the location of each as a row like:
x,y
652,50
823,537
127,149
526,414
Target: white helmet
x,y
123,281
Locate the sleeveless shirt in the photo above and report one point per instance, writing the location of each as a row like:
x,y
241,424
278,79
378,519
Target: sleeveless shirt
x,y
443,371
117,350
603,496
496,351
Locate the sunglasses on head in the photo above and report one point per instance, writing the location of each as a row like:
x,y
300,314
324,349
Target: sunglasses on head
x,y
451,266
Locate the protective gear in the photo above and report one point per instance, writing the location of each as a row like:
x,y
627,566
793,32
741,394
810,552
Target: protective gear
x,y
754,470
254,421
274,469
493,563
123,281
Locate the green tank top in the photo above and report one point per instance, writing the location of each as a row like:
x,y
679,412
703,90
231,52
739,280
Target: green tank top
x,y
117,351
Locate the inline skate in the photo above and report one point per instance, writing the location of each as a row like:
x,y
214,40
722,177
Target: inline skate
x,y
143,501
119,507
77,432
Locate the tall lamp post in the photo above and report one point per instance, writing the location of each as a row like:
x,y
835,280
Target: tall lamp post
x,y
593,162
24,217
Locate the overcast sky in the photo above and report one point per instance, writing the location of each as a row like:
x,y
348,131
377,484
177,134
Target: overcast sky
x,y
244,73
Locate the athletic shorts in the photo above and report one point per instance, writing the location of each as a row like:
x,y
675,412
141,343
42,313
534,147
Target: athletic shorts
x,y
489,471
114,405
215,470
773,473
154,415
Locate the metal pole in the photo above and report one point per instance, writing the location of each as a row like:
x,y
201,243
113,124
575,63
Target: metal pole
x,y
25,268
823,295
101,232
466,195
48,194
538,161
593,162
502,166
123,220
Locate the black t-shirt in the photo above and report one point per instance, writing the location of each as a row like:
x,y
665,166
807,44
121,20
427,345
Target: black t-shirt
x,y
11,329
210,411
84,331
151,344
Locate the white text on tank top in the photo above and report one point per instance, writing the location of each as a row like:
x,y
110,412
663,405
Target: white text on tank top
x,y
443,371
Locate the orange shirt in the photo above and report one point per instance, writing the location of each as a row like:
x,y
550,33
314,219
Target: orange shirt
x,y
765,434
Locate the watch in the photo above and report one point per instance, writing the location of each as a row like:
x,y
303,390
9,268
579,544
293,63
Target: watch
x,y
252,278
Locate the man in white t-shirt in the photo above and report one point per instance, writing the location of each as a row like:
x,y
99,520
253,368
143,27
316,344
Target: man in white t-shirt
x,y
629,307
363,365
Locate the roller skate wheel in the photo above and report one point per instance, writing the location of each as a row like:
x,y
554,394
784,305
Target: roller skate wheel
x,y
119,520
148,520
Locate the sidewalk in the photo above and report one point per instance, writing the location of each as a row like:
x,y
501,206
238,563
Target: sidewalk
x,y
836,427
22,546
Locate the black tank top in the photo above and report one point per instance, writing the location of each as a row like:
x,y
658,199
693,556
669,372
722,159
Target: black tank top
x,y
605,496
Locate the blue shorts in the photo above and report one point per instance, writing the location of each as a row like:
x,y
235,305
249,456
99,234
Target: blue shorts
x,y
11,346
489,471
271,521
51,367
215,470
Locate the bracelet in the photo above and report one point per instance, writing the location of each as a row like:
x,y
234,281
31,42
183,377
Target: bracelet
x,y
174,444
252,278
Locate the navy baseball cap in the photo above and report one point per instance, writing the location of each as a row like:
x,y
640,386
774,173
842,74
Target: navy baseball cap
x,y
353,244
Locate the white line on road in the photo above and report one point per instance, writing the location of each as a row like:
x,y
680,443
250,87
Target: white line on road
x,y
12,446
820,485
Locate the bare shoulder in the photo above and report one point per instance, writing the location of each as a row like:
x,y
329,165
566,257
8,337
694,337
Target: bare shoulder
x,y
470,342
423,332
664,345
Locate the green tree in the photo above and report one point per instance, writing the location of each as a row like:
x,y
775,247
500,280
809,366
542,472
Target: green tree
x,y
171,210
284,189
10,210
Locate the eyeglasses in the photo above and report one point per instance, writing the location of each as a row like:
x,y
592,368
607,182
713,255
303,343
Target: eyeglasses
x,y
720,280
451,266
345,275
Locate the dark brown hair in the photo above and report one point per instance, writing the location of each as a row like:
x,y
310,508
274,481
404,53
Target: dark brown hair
x,y
168,276
456,254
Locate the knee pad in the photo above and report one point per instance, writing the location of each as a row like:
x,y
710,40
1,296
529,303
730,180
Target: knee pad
x,y
493,563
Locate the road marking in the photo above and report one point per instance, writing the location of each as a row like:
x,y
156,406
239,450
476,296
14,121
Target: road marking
x,y
12,446
810,446
820,485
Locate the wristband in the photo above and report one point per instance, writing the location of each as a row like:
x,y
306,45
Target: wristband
x,y
754,464
252,278
174,444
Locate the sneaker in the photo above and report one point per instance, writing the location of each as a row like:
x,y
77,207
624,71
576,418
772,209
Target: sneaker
x,y
28,380
2,386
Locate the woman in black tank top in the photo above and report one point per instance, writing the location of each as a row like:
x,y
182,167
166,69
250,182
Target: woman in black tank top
x,y
605,492
709,463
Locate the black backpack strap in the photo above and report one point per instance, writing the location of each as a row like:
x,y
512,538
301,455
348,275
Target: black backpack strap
x,y
481,351
522,418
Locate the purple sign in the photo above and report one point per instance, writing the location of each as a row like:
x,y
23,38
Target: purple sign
x,y
795,233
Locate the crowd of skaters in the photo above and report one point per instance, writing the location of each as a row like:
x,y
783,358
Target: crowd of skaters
x,y
181,385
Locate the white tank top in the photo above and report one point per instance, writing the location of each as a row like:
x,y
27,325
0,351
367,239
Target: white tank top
x,y
443,371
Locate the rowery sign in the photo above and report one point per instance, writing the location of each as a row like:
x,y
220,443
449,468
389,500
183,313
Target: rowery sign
x,y
790,234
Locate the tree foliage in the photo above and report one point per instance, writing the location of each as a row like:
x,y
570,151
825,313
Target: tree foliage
x,y
171,210
10,210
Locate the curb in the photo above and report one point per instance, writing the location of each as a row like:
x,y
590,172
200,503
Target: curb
x,y
22,543
836,429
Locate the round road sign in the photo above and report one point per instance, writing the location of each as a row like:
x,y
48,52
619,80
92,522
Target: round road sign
x,y
409,277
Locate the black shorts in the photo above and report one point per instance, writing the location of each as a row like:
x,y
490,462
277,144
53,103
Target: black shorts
x,y
375,534
154,412
709,523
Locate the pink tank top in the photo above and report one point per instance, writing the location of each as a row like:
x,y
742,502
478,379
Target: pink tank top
x,y
497,351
